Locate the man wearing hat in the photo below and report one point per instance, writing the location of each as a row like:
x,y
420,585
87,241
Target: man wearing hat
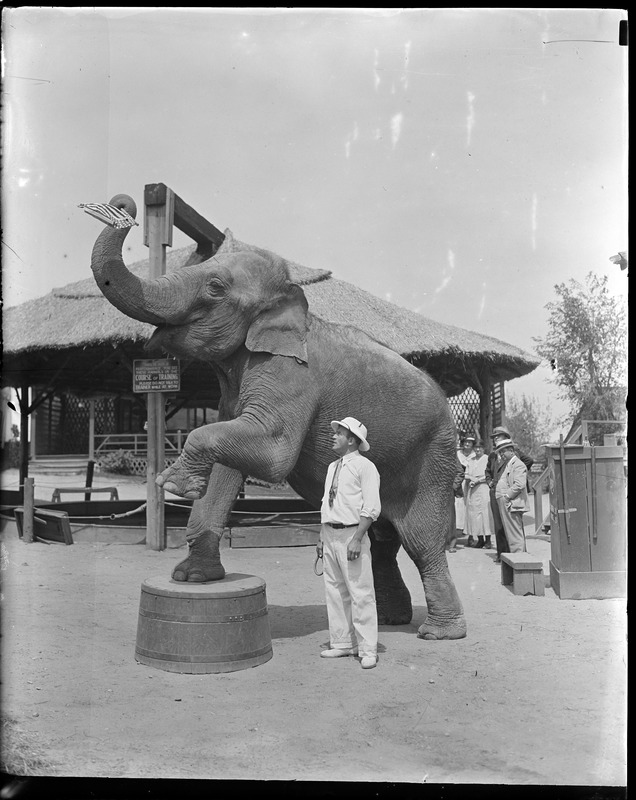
x,y
350,504
494,468
512,495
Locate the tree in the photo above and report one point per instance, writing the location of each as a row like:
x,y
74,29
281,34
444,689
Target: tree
x,y
530,425
586,346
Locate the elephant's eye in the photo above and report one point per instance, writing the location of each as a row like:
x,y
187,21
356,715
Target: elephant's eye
x,y
216,287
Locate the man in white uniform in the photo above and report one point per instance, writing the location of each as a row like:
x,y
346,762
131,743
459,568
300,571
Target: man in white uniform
x,y
350,504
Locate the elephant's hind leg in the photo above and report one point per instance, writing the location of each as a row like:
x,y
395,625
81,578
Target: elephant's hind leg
x,y
392,597
445,618
423,535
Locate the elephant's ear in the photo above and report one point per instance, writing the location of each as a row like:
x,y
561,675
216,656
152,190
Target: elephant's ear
x,y
229,244
281,328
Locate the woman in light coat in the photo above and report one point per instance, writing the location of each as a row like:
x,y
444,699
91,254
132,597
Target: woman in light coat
x,y
479,522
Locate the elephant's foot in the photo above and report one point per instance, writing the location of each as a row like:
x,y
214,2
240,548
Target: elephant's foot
x,y
203,562
445,629
394,608
445,619
187,477
394,617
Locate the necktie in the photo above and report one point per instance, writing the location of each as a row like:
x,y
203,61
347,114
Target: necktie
x,y
334,483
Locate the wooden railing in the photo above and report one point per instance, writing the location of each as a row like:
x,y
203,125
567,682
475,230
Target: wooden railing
x,y
136,443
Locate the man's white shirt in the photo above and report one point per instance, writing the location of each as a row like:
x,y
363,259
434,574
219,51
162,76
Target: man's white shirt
x,y
358,492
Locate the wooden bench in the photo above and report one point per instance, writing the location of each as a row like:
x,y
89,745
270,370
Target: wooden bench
x,y
524,572
114,494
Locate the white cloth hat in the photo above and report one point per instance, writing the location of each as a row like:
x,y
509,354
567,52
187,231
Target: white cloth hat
x,y
356,427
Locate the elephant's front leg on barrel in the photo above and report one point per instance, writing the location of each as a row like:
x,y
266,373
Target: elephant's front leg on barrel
x,y
213,461
190,474
208,519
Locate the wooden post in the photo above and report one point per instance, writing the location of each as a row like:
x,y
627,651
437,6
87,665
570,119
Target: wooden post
x,y
485,408
586,439
23,399
32,450
159,213
91,430
90,469
27,520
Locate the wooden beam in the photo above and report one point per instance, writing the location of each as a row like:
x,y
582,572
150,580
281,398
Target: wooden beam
x,y
189,221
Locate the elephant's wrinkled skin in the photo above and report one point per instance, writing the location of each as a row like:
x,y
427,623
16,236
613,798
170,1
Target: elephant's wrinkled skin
x,y
284,375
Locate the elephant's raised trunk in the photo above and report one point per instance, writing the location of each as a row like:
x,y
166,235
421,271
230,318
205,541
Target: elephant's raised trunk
x,y
154,301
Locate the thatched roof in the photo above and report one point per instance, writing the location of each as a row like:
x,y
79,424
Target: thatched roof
x,y
73,337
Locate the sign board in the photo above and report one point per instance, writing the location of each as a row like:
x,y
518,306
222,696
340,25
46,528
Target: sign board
x,y
156,375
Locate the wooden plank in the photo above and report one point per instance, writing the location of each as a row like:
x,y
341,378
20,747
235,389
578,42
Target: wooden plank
x,y
195,226
87,490
522,560
609,520
506,574
587,585
539,584
48,525
573,555
273,536
523,583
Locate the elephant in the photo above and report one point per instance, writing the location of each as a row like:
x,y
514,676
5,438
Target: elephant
x,y
285,374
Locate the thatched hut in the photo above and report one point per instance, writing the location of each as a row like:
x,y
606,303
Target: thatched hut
x,y
72,348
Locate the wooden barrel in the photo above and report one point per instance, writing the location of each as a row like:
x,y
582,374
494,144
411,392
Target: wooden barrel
x,y
218,626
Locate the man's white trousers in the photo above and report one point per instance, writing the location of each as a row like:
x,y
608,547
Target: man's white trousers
x,y
350,593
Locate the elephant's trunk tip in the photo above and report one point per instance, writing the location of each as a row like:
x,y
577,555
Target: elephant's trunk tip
x,y
119,213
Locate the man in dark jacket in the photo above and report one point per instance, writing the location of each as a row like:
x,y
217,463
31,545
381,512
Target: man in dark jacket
x,y
494,468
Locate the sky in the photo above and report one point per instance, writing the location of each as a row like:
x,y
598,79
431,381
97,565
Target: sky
x,y
457,162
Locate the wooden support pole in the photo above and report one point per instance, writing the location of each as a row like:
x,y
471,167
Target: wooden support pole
x,y
90,469
32,432
29,508
155,516
485,408
23,399
158,234
91,430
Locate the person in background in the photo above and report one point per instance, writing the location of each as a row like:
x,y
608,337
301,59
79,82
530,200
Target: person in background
x,y
511,493
465,454
351,502
479,523
458,493
493,470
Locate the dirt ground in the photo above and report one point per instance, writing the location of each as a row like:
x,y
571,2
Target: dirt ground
x,y
535,694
